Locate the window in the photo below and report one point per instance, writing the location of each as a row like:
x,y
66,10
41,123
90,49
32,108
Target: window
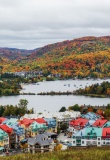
x,y
74,142
82,142
99,139
46,146
37,146
98,143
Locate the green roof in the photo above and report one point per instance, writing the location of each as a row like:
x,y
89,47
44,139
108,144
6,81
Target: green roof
x,y
93,131
36,126
11,121
107,124
1,148
3,134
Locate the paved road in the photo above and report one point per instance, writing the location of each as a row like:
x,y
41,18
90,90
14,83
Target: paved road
x,y
61,137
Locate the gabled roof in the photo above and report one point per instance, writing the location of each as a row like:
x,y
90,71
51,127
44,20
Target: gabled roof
x,y
10,122
18,129
106,132
41,139
99,123
40,120
36,126
90,122
26,122
2,134
80,133
91,115
107,124
5,128
51,134
79,122
2,119
93,131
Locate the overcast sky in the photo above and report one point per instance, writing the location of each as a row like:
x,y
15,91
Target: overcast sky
x,y
31,24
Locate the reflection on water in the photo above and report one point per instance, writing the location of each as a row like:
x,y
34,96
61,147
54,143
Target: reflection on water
x,y
54,103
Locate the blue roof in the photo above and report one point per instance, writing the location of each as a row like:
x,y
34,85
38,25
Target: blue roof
x,y
80,133
18,129
90,123
51,122
91,116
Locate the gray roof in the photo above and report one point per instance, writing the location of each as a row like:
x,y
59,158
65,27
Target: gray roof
x,y
50,134
41,139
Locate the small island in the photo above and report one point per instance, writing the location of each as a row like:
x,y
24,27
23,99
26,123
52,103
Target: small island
x,y
95,90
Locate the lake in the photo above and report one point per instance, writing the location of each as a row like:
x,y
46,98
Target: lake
x,y
54,103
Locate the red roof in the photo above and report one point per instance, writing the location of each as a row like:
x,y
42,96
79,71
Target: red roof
x,y
99,123
79,122
2,119
40,120
27,122
6,129
106,132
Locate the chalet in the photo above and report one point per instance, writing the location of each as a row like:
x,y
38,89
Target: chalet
x,y
20,132
106,136
11,140
35,127
25,123
40,143
77,124
51,123
92,136
4,139
87,137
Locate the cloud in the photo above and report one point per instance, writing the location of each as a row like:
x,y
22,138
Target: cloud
x,y
34,23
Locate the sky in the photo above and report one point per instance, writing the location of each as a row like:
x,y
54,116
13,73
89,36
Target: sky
x,y
30,24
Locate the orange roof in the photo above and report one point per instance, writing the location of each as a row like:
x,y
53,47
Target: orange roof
x,y
6,129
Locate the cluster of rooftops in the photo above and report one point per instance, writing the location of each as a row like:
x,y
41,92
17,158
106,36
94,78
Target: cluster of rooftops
x,y
90,125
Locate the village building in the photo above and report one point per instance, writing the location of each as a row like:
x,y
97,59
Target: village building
x,y
41,143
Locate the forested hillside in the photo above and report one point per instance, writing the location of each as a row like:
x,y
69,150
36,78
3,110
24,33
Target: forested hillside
x,y
96,90
80,58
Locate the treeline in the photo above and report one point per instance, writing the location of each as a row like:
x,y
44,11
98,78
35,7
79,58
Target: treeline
x,y
21,79
101,110
9,87
96,89
52,93
17,110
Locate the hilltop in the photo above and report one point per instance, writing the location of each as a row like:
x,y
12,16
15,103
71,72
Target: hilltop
x,y
77,58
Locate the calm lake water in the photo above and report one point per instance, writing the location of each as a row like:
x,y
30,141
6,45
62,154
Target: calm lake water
x,y
54,103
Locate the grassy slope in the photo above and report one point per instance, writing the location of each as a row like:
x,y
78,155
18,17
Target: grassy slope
x,y
101,153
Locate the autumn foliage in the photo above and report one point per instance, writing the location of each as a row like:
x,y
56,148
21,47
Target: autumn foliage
x,y
83,57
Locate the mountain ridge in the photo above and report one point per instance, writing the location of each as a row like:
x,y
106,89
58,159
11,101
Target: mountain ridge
x,y
82,57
